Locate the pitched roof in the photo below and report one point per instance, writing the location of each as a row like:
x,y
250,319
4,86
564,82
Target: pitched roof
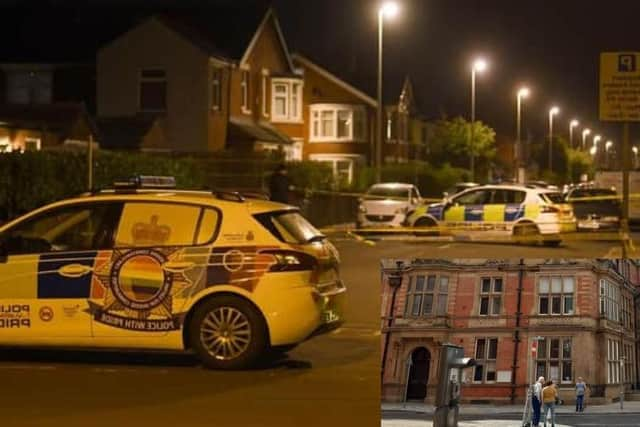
x,y
57,117
224,32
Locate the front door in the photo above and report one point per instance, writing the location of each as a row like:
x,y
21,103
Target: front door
x,y
46,273
418,374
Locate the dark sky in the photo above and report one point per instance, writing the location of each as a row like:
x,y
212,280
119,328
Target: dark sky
x,y
551,45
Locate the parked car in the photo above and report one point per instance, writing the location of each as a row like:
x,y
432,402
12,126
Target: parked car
x,y
157,268
513,209
595,208
387,205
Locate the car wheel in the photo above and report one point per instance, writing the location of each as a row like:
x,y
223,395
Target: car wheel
x,y
228,333
428,224
552,243
526,232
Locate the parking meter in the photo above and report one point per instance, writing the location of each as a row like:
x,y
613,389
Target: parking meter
x,y
451,364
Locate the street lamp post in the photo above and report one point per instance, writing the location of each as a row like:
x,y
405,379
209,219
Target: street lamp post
x,y
552,112
388,9
585,133
479,65
522,93
573,124
395,281
635,156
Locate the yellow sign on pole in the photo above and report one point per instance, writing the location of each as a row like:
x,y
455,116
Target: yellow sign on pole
x,y
620,86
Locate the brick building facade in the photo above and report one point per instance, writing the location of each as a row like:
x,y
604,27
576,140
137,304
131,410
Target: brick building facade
x,y
580,313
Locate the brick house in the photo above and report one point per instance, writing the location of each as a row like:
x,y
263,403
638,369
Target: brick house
x,y
580,313
212,81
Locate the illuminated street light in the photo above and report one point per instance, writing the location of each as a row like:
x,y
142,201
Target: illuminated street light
x,y
387,10
522,93
584,136
596,139
572,124
552,112
635,156
479,66
607,146
593,150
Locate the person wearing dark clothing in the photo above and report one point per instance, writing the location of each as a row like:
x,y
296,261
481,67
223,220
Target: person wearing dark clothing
x,y
279,185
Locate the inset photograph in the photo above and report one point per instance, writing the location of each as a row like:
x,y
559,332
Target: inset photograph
x,y
513,342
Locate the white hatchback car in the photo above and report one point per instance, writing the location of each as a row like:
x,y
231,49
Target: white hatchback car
x,y
387,205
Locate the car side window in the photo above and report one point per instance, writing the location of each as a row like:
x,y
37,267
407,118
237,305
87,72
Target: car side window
x,y
82,227
146,224
508,197
474,197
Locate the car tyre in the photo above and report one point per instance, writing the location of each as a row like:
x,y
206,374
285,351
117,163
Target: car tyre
x,y
425,223
526,232
228,332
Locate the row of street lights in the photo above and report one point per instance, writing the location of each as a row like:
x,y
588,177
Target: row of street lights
x,y
389,9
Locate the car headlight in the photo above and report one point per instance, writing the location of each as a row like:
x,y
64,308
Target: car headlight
x,y
362,209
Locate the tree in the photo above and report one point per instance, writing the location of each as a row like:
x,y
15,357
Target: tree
x,y
450,142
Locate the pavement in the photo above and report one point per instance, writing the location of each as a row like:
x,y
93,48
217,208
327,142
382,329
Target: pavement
x,y
632,407
330,380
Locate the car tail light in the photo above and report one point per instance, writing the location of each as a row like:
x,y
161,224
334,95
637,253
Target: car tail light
x,y
291,261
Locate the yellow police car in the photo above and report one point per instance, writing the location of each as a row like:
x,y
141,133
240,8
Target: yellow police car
x,y
146,266
518,210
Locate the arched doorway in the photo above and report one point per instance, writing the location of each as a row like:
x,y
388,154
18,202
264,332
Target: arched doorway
x,y
418,374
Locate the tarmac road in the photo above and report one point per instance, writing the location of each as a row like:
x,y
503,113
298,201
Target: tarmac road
x,y
331,380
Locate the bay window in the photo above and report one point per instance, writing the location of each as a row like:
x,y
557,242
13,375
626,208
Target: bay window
x,y
337,122
286,100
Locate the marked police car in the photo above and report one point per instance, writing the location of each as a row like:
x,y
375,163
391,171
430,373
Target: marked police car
x,y
513,209
155,268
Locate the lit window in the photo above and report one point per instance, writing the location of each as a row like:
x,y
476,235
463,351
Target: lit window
x,y
32,144
245,89
343,166
286,100
336,123
216,90
153,90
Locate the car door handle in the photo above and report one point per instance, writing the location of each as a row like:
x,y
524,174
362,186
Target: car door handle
x,y
177,266
73,271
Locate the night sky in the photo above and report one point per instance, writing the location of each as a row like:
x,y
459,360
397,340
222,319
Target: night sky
x,y
552,46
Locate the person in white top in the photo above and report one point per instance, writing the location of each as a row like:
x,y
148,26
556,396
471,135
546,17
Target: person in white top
x,y
536,400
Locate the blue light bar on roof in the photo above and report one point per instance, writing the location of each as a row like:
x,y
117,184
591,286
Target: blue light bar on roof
x,y
147,181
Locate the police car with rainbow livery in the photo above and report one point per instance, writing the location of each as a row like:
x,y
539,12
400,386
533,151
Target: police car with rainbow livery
x,y
518,210
146,266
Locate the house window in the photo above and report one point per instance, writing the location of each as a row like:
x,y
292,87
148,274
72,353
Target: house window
x,y
486,355
628,363
490,296
554,359
286,100
264,83
337,123
245,91
613,361
153,90
216,89
555,295
609,300
32,144
626,311
427,296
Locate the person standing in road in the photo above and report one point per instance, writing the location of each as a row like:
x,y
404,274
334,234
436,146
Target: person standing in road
x,y
549,396
536,401
581,389
279,185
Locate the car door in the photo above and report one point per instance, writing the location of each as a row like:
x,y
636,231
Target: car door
x,y
467,208
47,271
158,260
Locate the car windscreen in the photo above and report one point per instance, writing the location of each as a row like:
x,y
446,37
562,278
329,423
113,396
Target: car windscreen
x,y
289,227
552,197
381,193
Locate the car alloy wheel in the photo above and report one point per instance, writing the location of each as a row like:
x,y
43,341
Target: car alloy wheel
x,y
225,333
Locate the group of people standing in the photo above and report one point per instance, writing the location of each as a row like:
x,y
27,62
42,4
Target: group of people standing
x,y
545,398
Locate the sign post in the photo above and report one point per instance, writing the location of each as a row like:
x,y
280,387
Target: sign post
x,y
620,102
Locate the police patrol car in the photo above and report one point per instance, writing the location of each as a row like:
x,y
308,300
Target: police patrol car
x,y
513,209
145,266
